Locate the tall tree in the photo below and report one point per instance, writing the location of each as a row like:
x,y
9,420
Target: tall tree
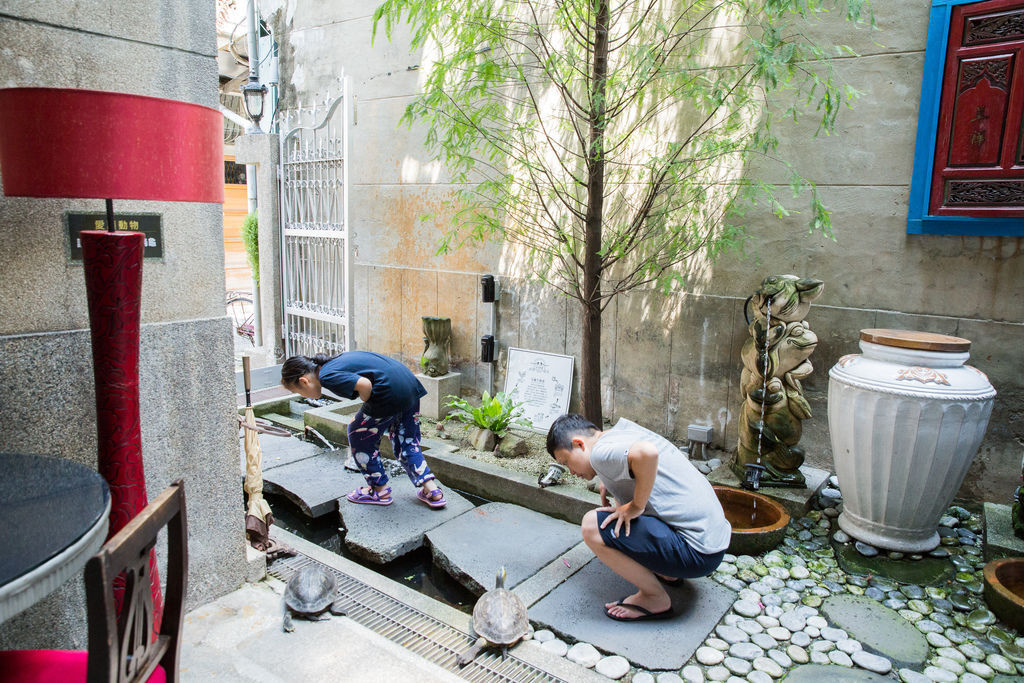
x,y
609,139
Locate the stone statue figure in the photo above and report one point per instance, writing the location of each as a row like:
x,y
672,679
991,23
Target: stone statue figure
x,y
437,345
775,359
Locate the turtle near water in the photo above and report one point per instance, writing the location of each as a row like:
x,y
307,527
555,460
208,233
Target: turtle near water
x,y
309,594
499,618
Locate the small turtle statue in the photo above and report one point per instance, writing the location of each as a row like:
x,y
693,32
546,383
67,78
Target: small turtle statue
x,y
499,618
310,593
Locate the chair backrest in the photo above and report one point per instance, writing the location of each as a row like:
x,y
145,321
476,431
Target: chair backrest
x,y
121,646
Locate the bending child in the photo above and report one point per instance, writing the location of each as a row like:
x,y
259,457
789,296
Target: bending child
x,y
666,524
391,403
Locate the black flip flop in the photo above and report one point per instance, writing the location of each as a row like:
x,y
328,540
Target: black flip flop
x,y
646,614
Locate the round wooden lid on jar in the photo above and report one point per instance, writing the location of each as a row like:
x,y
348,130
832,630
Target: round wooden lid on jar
x,y
911,339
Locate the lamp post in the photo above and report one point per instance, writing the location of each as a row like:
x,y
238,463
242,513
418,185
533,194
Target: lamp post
x,y
252,95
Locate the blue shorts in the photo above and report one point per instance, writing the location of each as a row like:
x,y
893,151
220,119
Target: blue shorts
x,y
659,547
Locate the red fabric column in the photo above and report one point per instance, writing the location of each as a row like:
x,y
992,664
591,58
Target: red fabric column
x,y
113,284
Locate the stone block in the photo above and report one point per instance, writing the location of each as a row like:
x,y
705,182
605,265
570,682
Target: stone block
x,y
472,546
796,501
879,629
1000,540
438,390
575,609
314,484
380,534
332,421
255,564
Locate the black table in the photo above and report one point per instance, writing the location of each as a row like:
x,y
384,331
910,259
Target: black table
x,y
53,518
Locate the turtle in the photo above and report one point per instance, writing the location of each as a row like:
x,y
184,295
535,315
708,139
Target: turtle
x,y
308,595
499,618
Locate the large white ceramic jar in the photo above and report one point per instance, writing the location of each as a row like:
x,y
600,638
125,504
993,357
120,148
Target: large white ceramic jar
x,y
906,418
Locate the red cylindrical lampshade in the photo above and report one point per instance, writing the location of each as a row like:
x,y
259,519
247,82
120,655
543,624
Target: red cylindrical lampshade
x,y
57,142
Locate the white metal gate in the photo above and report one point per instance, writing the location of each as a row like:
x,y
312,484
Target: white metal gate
x,y
315,255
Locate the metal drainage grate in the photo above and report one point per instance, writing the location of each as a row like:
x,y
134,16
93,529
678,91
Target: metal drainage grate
x,y
418,632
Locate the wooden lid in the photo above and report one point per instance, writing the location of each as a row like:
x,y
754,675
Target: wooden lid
x,y
910,339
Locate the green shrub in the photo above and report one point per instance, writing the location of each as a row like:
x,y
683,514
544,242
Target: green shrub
x,y
496,414
250,238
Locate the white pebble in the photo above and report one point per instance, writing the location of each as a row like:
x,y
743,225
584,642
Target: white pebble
x,y
543,636
556,646
691,674
911,676
718,673
740,667
817,622
668,677
797,654
849,646
769,666
709,656
643,677
781,658
779,633
757,677
874,663
614,667
584,654
747,608
717,643
938,675
840,658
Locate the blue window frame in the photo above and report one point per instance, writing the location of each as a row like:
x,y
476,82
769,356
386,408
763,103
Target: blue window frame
x,y
919,220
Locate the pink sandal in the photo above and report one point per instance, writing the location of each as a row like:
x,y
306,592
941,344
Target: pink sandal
x,y
434,499
366,495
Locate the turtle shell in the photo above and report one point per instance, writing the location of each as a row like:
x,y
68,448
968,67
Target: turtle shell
x,y
500,617
310,590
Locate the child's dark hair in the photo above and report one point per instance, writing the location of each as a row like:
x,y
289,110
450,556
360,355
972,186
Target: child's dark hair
x,y
299,366
564,428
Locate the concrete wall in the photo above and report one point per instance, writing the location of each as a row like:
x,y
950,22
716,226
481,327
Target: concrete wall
x,y
673,360
187,380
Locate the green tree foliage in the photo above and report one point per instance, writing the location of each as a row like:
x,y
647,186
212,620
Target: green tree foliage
x,y
251,240
607,139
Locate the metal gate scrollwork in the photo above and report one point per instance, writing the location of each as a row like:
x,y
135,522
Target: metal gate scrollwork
x,y
315,254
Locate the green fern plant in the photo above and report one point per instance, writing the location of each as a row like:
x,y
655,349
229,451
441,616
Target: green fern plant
x,y
250,238
496,413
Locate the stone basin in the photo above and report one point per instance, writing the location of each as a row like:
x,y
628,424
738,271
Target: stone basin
x,y
1004,590
758,522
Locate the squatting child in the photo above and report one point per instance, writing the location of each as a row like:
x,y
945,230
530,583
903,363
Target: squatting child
x,y
666,524
391,404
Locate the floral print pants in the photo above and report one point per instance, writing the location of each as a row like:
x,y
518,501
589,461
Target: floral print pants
x,y
364,435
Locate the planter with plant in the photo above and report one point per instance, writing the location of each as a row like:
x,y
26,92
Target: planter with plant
x,y
491,419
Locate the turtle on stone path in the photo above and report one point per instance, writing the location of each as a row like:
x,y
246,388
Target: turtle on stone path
x,y
309,594
499,618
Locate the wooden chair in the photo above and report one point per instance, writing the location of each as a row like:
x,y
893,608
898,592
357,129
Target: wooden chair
x,y
122,648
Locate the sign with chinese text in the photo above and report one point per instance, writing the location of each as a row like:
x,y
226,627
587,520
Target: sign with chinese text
x,y
542,382
148,223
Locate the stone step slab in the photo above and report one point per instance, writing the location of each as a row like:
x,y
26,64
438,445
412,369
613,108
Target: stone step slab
x,y
472,546
281,450
382,533
313,484
879,629
819,673
575,609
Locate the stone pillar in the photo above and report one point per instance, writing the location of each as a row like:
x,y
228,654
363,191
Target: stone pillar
x,y
264,152
438,389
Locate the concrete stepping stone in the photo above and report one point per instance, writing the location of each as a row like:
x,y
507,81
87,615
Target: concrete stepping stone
x,y
314,484
382,533
576,609
282,450
879,629
816,673
472,546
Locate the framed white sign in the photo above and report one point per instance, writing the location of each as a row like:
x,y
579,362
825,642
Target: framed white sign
x,y
542,382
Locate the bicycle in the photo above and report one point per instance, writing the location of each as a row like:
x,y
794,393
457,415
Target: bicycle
x,y
239,307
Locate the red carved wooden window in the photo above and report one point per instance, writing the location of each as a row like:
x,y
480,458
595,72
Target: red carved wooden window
x,y
979,155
